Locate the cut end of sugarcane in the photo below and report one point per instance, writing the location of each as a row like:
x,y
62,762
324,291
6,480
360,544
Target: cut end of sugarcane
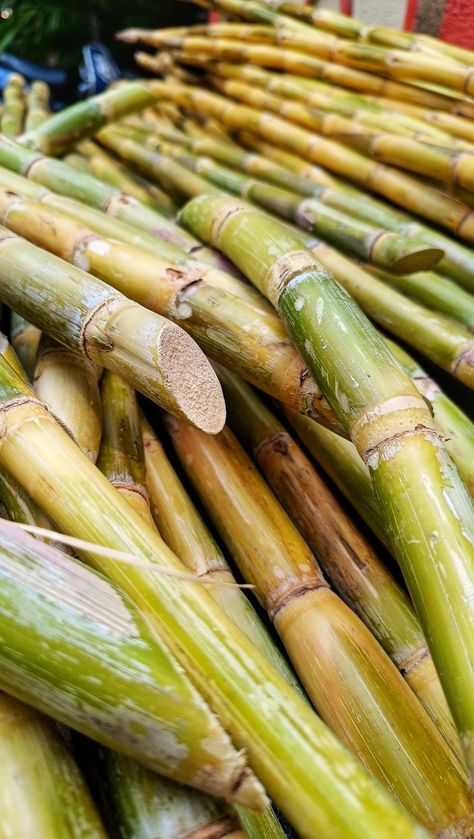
x,y
191,381
421,258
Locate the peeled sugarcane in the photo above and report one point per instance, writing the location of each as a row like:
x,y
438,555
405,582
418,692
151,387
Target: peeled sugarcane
x,y
184,531
61,178
360,239
121,457
75,646
346,557
67,382
228,321
64,129
307,772
25,340
386,419
433,290
138,804
42,792
352,683
392,183
89,317
103,166
37,102
11,121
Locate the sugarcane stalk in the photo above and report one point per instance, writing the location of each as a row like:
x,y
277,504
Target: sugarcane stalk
x,y
346,557
387,421
456,427
53,607
37,102
84,118
230,323
304,768
377,245
103,166
434,291
289,161
63,179
25,340
398,186
11,121
67,382
121,457
332,99
43,793
184,531
89,317
448,344
443,164
457,261
139,803
337,659
9,354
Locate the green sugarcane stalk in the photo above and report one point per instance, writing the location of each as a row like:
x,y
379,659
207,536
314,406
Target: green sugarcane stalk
x,y
387,421
63,179
138,803
42,791
55,610
338,660
333,99
82,119
442,164
377,245
25,340
67,383
121,457
229,319
185,532
457,261
346,557
89,317
103,166
456,427
305,769
448,344
11,121
434,291
398,186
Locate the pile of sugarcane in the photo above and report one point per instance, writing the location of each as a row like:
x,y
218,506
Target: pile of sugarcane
x,y
265,627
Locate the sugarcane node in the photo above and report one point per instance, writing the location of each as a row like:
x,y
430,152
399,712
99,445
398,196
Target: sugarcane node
x,y
464,365
413,660
374,430
98,338
17,404
286,268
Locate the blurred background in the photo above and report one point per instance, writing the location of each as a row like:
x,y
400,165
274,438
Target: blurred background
x,y
71,44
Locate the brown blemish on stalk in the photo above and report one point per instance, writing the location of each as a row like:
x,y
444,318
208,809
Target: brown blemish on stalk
x,y
124,486
413,660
